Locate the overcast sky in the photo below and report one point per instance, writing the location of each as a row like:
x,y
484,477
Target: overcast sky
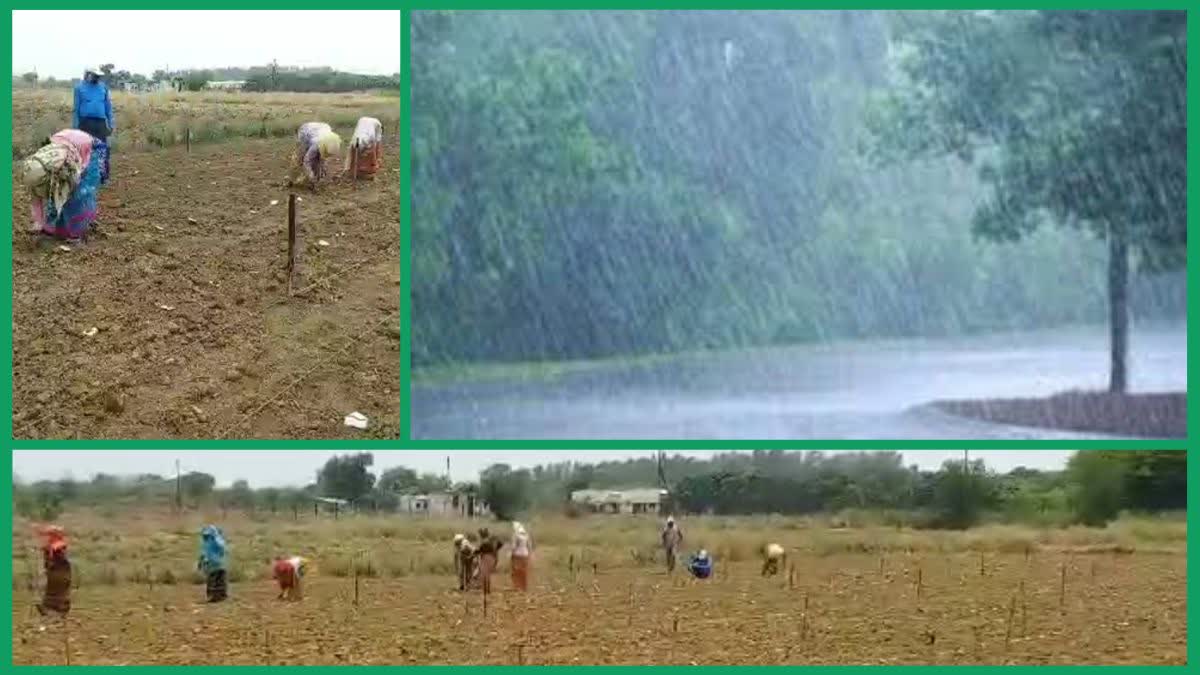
x,y
62,43
298,467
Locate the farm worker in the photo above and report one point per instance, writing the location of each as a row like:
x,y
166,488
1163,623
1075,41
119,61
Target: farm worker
x,y
288,573
316,146
212,563
57,566
522,552
701,565
362,159
489,554
465,561
63,177
774,556
672,539
94,114
458,540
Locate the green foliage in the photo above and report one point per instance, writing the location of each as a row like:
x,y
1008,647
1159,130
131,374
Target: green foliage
x,y
507,492
961,493
604,183
196,79
1076,118
196,486
1098,485
346,476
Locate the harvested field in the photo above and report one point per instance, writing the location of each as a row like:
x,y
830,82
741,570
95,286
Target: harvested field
x,y
953,599
183,283
147,121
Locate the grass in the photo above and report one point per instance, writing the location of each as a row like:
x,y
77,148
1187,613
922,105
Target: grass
x,y
134,547
163,119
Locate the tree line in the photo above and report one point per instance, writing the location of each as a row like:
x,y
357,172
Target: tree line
x,y
599,183
1094,488
271,77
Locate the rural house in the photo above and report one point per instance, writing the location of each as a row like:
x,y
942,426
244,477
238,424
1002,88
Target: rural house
x,y
442,504
634,501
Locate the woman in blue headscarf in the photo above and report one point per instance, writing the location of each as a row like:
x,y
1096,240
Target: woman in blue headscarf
x,y
701,565
212,563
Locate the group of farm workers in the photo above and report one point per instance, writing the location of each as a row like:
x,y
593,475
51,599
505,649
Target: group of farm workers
x,y
65,174
476,558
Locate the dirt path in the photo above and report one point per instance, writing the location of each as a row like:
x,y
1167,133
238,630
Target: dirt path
x,y
232,357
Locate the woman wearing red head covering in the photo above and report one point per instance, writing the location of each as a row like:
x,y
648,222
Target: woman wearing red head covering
x,y
57,596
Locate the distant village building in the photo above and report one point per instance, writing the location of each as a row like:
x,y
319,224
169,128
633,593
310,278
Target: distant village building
x,y
443,504
632,501
225,85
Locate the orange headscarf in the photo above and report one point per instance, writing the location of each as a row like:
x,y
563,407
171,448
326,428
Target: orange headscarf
x,y
56,541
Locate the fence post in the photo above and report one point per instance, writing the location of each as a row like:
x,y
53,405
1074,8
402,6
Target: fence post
x,y
291,261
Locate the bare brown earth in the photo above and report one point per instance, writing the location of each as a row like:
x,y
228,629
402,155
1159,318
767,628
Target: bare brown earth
x,y
1144,415
196,338
1116,609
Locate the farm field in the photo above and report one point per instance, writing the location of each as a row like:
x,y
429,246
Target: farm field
x,y
598,597
183,281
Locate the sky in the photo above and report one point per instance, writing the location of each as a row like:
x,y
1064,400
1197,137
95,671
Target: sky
x,y
142,41
280,468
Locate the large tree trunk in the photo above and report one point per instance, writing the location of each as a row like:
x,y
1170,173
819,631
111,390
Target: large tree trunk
x,y
1118,306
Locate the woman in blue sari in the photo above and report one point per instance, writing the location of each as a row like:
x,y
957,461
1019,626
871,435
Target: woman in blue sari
x,y
212,563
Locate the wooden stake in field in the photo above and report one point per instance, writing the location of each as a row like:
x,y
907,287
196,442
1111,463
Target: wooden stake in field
x,y
1062,589
1024,616
267,645
981,563
804,619
1012,609
520,654
354,162
919,583
356,583
67,639
188,135
291,261
792,576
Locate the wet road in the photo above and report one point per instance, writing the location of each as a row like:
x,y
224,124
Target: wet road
x,y
855,390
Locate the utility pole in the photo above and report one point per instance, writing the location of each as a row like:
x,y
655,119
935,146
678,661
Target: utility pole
x,y
178,487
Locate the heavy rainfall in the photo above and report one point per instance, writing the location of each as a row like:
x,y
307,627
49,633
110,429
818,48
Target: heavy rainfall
x,y
817,224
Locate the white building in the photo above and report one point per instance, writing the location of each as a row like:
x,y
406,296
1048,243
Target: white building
x,y
443,504
632,501
225,85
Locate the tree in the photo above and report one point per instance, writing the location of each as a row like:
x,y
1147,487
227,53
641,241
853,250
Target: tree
x,y
346,476
961,492
507,492
432,482
1097,484
196,486
1077,117
270,498
196,80
397,479
240,495
1156,480
30,78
